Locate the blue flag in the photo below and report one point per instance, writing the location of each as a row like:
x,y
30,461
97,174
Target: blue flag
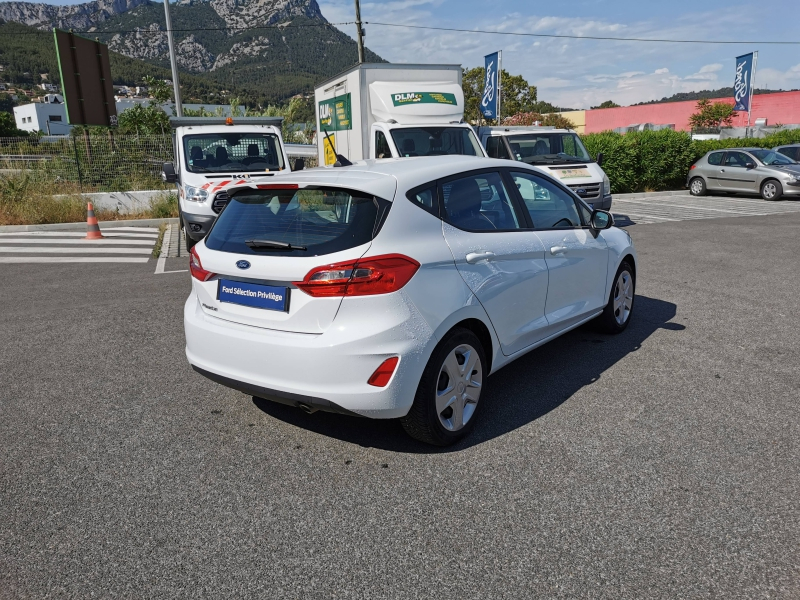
x,y
742,85
489,100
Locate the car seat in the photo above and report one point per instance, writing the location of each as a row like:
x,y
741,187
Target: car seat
x,y
252,155
464,206
221,156
409,147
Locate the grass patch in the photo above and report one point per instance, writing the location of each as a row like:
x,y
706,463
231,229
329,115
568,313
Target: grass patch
x,y
162,229
26,201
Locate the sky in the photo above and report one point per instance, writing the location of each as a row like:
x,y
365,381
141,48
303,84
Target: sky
x,y
584,73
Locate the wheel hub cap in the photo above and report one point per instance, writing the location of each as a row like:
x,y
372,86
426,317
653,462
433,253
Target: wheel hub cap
x,y
623,297
459,387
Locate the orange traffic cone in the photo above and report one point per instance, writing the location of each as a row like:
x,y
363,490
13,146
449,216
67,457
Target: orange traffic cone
x,y
92,228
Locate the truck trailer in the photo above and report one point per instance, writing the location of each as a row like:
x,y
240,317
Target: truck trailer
x,y
382,110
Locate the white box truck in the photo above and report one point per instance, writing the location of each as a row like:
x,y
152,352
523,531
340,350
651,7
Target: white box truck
x,y
212,153
382,110
558,152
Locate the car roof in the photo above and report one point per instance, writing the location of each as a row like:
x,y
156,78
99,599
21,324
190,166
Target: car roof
x,y
383,176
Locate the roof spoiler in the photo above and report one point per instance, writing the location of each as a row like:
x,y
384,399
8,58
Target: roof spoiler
x,y
190,121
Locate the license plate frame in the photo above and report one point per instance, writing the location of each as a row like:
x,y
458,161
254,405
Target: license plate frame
x,y
253,295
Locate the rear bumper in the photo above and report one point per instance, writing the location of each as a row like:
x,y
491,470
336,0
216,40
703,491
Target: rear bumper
x,y
327,371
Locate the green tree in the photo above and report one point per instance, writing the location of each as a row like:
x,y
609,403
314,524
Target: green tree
x,y
710,115
141,119
516,94
8,126
607,104
157,89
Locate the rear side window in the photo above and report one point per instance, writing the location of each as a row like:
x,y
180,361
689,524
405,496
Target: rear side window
x,y
479,203
314,221
715,158
425,199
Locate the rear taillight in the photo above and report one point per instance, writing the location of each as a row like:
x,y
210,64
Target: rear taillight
x,y
196,267
692,167
363,277
382,375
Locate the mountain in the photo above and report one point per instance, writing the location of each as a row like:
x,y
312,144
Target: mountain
x,y
270,49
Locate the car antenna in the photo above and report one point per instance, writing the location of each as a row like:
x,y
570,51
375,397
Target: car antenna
x,y
341,161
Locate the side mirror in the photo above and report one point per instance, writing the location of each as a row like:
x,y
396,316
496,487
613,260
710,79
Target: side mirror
x,y
168,173
601,220
600,158
299,165
750,165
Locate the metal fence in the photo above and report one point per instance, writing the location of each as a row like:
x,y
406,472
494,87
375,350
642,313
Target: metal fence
x,y
95,163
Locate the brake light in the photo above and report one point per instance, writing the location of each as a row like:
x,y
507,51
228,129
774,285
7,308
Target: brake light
x,y
692,167
382,375
364,277
196,267
278,186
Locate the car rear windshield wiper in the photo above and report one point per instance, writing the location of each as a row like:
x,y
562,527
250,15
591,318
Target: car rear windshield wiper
x,y
272,245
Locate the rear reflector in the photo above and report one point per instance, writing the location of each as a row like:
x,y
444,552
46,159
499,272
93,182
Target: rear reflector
x,y
278,186
382,375
196,267
692,167
363,277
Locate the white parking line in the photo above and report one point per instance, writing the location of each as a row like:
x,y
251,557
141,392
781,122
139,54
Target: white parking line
x,y
142,229
60,250
70,259
162,258
81,242
79,234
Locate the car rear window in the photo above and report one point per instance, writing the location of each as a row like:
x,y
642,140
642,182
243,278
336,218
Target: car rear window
x,y
715,158
321,220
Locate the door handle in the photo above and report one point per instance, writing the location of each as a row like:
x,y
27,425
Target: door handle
x,y
558,250
476,257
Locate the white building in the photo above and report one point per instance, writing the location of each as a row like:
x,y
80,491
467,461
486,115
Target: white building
x,y
48,117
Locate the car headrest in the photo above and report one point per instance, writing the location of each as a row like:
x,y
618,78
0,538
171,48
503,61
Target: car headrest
x,y
409,145
222,153
196,153
252,149
465,196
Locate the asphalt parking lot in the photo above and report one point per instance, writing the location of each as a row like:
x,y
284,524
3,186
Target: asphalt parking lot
x,y
661,463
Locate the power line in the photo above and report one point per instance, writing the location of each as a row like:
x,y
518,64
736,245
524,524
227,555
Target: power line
x,y
577,37
160,30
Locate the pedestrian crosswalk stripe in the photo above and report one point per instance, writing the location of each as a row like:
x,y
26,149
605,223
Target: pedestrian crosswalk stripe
x,y
82,242
60,250
70,259
79,234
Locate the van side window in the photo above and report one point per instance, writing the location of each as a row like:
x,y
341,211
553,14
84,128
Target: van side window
x,y
426,199
715,158
495,147
381,146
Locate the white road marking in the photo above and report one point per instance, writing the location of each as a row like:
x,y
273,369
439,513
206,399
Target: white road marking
x,y
81,242
59,250
149,236
142,229
685,208
70,259
162,258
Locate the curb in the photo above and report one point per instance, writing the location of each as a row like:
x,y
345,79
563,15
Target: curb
x,y
649,194
82,225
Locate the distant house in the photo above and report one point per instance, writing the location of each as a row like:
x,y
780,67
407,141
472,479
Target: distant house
x,y
49,117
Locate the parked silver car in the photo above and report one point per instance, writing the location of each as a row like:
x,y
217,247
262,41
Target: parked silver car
x,y
790,150
745,170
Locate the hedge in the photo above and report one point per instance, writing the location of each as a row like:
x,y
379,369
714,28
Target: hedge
x,y
648,161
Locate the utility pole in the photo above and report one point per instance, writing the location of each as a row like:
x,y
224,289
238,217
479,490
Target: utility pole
x,y
176,84
360,33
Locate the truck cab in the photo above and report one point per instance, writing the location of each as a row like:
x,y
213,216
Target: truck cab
x,y
392,140
214,153
558,152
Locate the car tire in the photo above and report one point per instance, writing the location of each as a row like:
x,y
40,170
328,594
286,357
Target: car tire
x,y
447,397
617,313
697,187
771,189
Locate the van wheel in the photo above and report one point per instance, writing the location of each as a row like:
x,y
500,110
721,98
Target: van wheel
x,y
771,190
447,397
617,313
697,187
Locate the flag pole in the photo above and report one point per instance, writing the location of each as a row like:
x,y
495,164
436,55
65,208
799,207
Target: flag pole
x,y
499,83
752,88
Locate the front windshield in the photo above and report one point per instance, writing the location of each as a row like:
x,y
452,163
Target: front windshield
x,y
232,152
435,141
769,157
548,148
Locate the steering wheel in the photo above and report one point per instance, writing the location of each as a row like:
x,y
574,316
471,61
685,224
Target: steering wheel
x,y
571,224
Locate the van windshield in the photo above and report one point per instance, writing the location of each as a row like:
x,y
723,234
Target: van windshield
x,y
436,141
547,148
232,152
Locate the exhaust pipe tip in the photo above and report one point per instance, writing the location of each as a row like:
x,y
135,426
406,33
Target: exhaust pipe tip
x,y
309,410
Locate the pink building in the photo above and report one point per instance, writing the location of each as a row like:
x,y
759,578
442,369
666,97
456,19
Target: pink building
x,y
780,107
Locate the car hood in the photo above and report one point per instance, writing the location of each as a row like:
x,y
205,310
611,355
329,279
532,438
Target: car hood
x,y
788,169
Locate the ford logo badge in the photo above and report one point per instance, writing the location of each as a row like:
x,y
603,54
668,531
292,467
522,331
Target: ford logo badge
x,y
243,264
581,191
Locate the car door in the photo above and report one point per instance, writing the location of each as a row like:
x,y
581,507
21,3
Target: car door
x,y
576,255
712,171
735,176
501,260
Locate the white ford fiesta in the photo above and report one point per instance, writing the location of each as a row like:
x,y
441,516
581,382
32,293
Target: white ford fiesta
x,y
393,288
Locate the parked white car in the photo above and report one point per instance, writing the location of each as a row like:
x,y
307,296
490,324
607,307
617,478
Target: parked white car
x,y
392,288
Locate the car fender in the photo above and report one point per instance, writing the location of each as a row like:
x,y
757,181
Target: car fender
x,y
620,245
472,310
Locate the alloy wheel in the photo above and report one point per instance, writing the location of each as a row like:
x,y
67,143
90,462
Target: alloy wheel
x,y
458,387
623,297
697,187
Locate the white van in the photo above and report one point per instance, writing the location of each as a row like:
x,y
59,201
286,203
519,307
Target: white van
x,y
387,110
558,152
213,153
